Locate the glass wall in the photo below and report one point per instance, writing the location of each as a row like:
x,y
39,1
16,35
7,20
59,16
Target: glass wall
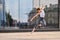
x,y
51,13
2,13
16,14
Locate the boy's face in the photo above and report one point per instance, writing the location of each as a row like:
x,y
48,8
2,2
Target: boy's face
x,y
38,11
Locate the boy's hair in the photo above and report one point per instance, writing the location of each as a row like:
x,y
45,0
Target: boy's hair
x,y
38,8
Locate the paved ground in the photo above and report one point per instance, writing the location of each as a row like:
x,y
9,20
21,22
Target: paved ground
x,y
29,36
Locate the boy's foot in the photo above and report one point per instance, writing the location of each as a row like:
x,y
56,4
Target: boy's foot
x,y
40,25
33,30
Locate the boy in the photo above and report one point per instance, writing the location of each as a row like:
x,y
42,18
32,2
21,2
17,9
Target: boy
x,y
42,15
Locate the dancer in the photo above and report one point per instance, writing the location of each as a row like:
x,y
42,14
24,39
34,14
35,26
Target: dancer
x,y
40,11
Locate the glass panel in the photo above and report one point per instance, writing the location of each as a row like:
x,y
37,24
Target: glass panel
x,y
17,14
2,13
0,1
51,12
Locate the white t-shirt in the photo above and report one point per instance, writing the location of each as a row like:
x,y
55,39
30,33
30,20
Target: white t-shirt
x,y
42,14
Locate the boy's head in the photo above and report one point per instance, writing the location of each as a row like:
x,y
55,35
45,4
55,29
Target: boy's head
x,y
38,10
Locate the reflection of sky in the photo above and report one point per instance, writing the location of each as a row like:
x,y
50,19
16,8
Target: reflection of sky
x,y
47,2
12,5
25,7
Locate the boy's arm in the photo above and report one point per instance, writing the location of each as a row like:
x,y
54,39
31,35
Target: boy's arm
x,y
34,16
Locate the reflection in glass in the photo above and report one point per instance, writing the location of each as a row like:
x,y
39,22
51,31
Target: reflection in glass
x,y
2,13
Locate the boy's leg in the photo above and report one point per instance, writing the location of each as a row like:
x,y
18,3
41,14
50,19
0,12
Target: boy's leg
x,y
44,22
36,27
33,30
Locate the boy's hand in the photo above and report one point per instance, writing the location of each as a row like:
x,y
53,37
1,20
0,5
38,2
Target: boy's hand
x,y
31,20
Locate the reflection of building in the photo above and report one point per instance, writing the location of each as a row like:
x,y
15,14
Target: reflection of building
x,y
59,13
51,16
36,3
2,12
14,22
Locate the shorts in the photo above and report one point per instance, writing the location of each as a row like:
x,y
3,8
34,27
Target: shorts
x,y
42,21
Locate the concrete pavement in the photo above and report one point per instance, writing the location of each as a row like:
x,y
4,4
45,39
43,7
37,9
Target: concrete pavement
x,y
29,36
